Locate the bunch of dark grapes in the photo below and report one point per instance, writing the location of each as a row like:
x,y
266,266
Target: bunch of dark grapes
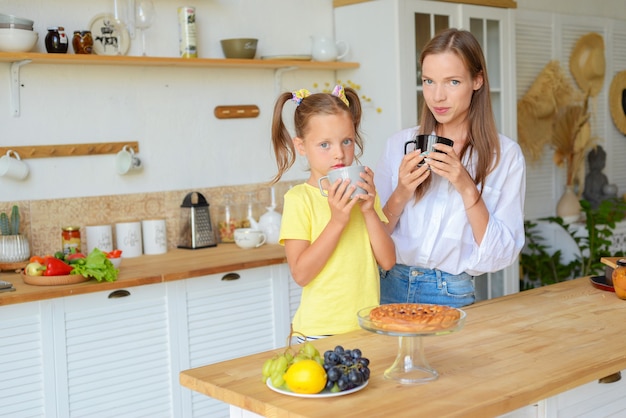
x,y
345,369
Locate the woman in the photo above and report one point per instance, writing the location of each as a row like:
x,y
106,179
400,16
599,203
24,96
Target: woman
x,y
460,214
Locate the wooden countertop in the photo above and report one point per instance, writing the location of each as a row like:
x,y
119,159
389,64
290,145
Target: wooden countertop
x,y
513,351
148,269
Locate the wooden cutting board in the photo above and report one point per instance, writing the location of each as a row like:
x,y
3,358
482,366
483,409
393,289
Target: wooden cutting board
x,y
610,261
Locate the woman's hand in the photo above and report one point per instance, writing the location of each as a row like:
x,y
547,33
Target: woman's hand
x,y
410,175
447,164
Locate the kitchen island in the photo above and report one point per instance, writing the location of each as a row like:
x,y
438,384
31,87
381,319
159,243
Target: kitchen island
x,y
513,351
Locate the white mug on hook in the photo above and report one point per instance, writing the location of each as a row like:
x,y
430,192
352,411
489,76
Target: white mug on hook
x,y
13,167
126,161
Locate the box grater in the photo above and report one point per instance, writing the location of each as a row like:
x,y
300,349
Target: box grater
x,y
195,223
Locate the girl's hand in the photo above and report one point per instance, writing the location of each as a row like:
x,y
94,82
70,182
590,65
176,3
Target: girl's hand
x,y
366,201
340,202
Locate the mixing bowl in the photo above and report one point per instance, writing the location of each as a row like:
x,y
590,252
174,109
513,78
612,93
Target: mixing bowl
x,y
17,40
239,47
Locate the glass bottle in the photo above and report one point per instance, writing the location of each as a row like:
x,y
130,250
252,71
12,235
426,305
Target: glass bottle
x,y
82,42
230,217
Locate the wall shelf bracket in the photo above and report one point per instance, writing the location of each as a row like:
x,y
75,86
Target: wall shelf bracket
x,y
15,86
278,78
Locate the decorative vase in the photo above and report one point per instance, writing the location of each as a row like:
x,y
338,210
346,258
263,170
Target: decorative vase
x,y
14,248
568,206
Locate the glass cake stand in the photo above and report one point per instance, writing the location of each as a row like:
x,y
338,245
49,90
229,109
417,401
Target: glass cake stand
x,y
410,366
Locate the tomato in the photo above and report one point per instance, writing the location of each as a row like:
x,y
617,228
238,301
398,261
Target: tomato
x,y
37,259
75,256
114,254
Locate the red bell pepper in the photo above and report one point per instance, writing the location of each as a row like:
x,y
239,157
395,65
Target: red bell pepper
x,y
56,267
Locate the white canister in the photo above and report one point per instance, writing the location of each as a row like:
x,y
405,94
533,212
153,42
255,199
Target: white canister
x,y
154,236
128,239
100,237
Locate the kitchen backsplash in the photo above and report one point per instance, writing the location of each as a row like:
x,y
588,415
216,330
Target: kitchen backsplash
x,y
43,220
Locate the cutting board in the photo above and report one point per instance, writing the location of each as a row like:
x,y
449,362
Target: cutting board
x,y
610,261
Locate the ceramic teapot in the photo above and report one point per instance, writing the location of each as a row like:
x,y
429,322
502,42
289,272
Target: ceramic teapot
x,y
327,49
269,223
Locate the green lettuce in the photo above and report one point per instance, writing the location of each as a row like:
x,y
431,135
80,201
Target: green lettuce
x,y
98,266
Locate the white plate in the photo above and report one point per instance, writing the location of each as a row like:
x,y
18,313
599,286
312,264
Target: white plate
x,y
287,57
106,36
323,394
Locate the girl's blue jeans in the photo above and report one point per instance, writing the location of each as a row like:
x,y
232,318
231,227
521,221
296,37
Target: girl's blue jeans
x,y
405,284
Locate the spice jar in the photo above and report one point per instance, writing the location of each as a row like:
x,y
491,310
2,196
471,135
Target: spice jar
x,y
619,278
56,40
70,239
82,42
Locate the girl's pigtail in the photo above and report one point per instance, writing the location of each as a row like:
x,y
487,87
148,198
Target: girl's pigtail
x,y
282,143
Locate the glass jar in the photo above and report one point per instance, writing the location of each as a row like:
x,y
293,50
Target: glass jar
x,y
56,40
82,42
70,239
619,278
230,217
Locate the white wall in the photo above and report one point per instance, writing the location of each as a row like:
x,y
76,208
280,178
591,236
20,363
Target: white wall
x,y
169,111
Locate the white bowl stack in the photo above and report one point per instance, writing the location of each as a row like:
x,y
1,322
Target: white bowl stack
x,y
16,34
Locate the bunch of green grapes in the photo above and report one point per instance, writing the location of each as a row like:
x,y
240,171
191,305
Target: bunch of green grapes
x,y
275,367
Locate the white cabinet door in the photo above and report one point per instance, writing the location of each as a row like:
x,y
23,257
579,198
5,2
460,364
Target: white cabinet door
x,y
112,353
26,369
224,316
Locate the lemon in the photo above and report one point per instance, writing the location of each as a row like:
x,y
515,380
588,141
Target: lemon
x,y
305,376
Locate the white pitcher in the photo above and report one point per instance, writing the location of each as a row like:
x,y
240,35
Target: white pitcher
x,y
327,49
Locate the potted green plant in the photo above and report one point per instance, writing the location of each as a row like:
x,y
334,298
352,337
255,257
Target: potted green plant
x,y
14,247
541,267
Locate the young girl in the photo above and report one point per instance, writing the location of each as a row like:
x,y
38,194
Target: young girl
x,y
462,213
333,244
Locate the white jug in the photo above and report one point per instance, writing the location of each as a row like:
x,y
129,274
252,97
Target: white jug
x,y
327,49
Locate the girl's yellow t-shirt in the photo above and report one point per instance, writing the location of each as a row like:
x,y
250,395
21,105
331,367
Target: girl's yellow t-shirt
x,y
348,282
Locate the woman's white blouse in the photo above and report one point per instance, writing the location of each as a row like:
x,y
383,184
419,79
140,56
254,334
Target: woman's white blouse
x,y
435,232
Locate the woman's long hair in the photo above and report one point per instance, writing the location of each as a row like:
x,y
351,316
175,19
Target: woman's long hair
x,y
482,133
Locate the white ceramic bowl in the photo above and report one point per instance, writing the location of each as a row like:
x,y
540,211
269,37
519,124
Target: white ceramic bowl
x,y
117,262
17,40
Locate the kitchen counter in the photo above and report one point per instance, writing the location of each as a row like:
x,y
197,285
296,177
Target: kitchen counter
x,y
176,264
513,351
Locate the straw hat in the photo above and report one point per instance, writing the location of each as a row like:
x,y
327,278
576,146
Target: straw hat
x,y
550,91
587,63
617,101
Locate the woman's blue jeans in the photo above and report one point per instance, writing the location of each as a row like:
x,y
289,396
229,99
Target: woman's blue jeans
x,y
404,284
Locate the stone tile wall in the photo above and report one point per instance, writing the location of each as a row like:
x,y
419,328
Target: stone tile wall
x,y
42,220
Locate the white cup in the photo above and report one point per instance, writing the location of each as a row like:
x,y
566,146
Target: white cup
x,y
128,239
100,237
154,236
350,172
249,238
126,161
13,168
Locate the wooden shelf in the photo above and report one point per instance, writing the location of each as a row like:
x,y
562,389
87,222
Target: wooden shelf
x,y
76,59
